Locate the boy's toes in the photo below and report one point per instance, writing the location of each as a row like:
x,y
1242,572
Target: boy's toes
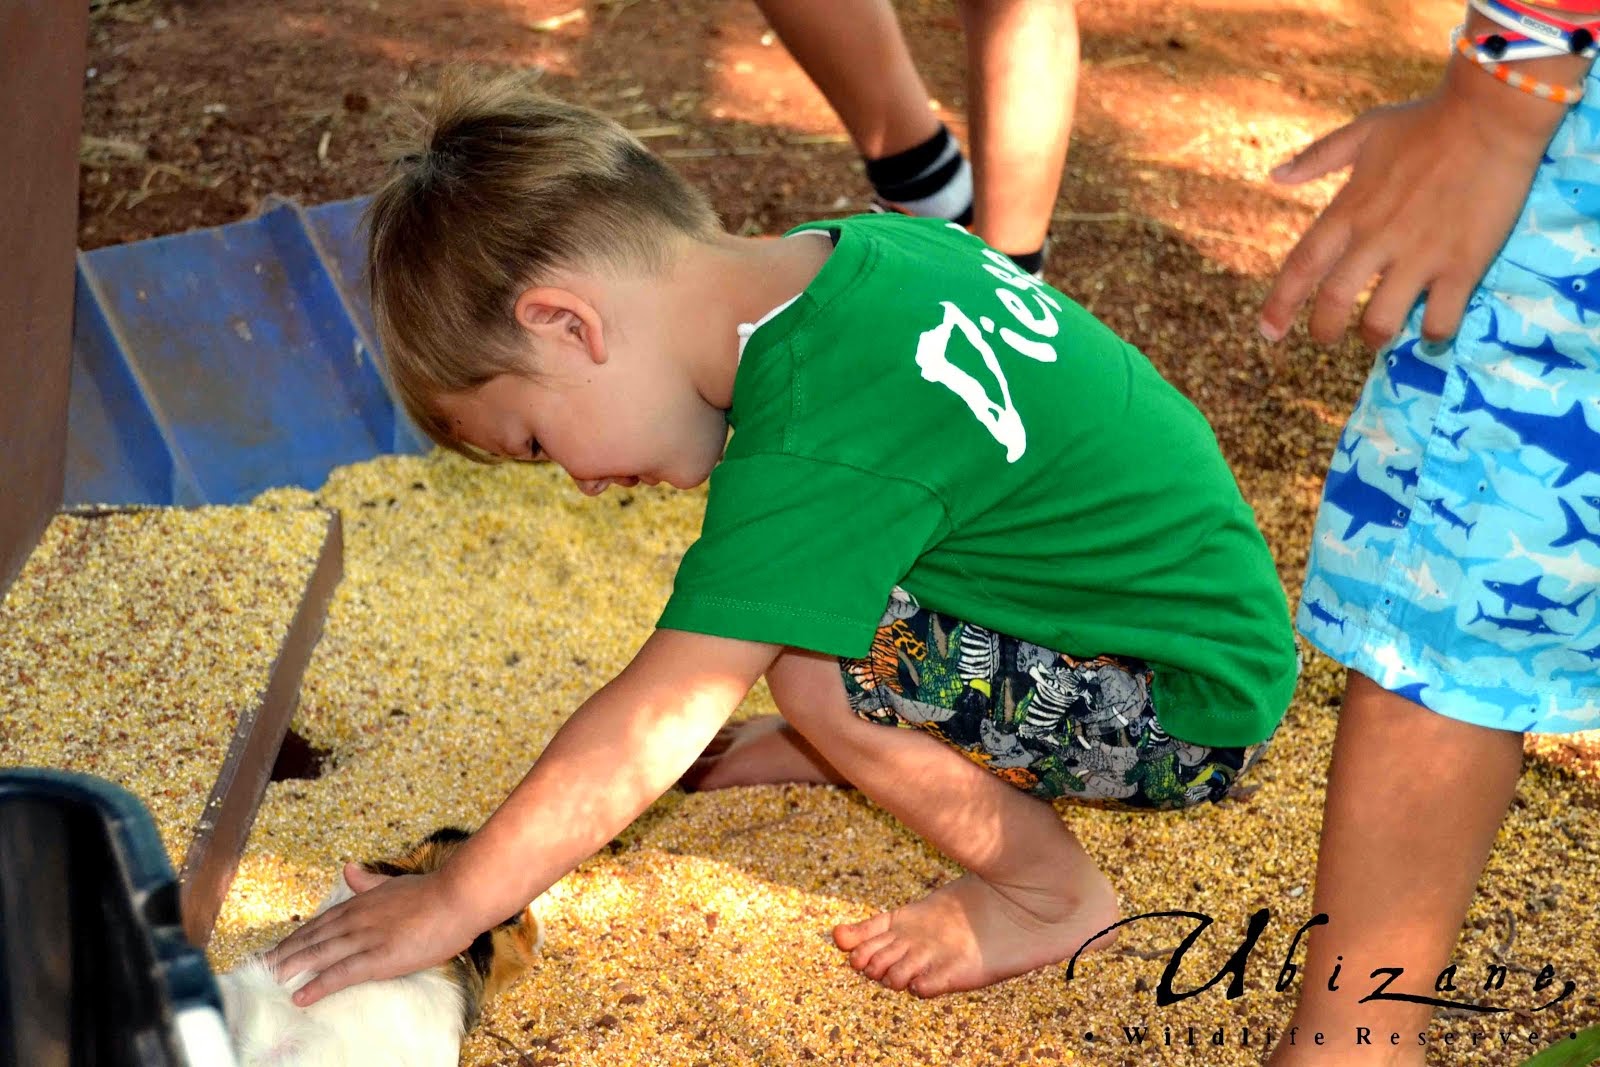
x,y
704,763
885,946
929,983
848,935
884,955
910,966
881,949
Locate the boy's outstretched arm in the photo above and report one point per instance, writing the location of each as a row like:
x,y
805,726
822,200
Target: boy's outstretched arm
x,y
1435,186
622,749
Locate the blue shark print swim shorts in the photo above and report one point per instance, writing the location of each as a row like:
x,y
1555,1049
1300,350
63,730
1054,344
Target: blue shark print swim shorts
x,y
1456,558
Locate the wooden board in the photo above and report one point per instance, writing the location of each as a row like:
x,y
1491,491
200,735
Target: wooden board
x,y
42,48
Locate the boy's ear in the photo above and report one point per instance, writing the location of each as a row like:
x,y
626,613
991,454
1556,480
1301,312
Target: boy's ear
x,y
561,317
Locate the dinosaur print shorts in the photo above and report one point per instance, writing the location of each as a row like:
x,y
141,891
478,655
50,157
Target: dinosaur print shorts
x,y
1456,556
1055,726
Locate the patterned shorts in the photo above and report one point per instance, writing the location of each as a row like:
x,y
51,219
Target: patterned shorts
x,y
1456,558
1055,726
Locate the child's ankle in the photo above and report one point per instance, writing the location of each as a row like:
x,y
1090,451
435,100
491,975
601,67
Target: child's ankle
x,y
929,180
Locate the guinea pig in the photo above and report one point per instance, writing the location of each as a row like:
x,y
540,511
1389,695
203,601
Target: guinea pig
x,y
414,1021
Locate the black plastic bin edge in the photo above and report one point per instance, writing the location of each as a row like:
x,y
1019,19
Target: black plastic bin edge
x,y
179,975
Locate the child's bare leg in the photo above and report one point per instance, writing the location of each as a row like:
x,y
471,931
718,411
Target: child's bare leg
x,y
1414,802
1032,895
856,55
760,751
1022,84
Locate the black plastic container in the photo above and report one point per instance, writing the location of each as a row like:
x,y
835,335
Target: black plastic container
x,y
94,967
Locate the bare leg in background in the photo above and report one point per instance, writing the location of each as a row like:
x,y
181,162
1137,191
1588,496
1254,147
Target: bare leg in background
x,y
1414,802
1022,81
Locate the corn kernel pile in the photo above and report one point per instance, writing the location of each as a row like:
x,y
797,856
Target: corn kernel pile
x,y
481,605
131,642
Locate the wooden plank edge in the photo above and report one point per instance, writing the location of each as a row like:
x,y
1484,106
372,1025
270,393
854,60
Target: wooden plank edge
x,y
230,811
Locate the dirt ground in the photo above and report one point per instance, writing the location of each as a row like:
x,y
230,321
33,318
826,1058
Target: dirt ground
x,y
1167,228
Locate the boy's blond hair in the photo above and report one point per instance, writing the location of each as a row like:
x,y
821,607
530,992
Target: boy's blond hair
x,y
501,184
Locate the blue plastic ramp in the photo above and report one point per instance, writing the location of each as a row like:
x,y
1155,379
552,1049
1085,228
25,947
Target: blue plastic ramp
x,y
208,366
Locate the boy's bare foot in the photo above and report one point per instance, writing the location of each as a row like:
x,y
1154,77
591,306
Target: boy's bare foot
x,y
759,751
969,934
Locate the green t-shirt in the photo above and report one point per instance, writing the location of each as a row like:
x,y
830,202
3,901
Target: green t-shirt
x,y
926,415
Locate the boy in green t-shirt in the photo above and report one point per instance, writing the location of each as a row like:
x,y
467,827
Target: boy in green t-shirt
x,y
952,501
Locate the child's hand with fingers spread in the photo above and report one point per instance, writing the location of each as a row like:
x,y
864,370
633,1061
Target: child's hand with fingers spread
x,y
1434,189
391,927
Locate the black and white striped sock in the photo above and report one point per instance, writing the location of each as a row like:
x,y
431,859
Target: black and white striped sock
x,y
930,180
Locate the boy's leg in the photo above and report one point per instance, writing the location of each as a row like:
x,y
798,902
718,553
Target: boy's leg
x,y
1414,801
760,751
1022,83
1031,896
855,54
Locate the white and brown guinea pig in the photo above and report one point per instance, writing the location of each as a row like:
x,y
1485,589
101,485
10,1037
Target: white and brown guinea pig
x,y
414,1021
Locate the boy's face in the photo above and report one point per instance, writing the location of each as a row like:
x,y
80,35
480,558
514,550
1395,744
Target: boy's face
x,y
605,424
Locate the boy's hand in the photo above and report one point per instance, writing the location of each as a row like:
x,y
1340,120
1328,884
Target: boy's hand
x,y
1434,189
612,759
395,927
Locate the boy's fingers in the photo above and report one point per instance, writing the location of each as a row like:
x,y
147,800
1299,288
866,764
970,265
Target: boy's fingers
x,y
275,955
1341,290
1303,269
1447,302
346,972
285,968
330,956
301,958
360,879
1331,152
308,946
1391,304
308,933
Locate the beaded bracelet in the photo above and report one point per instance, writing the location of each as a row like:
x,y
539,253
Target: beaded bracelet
x,y
1560,94
1575,38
